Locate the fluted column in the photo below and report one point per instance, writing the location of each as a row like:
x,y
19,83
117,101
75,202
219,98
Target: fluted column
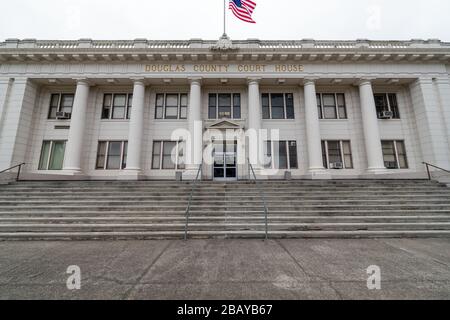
x,y
254,122
370,128
313,137
136,130
194,148
74,146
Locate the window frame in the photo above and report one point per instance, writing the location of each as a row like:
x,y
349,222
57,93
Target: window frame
x,y
233,106
288,154
387,96
342,154
321,108
123,155
50,154
111,107
285,105
180,145
396,154
180,106
59,106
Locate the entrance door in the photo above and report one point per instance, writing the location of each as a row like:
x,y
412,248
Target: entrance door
x,y
225,160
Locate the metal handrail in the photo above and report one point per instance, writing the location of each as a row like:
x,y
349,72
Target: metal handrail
x,y
188,209
428,165
13,167
261,193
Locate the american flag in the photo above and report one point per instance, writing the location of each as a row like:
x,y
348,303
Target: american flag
x,y
243,9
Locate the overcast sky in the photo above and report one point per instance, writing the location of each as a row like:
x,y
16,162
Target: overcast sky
x,y
184,19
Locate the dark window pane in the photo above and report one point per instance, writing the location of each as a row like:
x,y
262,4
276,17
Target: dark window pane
x,y
389,157
119,103
236,106
101,154
212,110
169,154
319,105
224,106
282,155
348,161
129,105
277,106
125,154
402,159
43,161
106,111
293,162
67,102
156,158
114,154
334,152
171,106
329,106
183,106
394,105
341,106
57,155
265,106
290,114
324,155
54,101
380,103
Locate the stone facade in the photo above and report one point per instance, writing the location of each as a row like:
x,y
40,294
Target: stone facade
x,y
416,71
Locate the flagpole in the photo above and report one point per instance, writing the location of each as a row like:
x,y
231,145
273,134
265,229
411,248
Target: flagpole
x,y
224,18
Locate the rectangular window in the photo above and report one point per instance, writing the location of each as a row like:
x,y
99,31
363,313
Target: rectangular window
x,y
331,106
386,102
224,106
394,154
52,155
277,106
337,154
60,102
117,106
168,155
111,155
171,106
281,155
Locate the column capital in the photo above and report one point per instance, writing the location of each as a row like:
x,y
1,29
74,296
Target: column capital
x,y
83,81
364,81
309,81
195,80
253,80
138,80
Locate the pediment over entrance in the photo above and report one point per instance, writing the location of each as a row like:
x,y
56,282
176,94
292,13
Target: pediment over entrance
x,y
225,125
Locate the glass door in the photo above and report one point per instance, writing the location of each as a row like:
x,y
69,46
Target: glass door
x,y
225,160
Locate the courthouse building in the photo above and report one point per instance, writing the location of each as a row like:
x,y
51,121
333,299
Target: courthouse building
x,y
145,109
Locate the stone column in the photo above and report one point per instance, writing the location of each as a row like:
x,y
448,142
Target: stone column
x,y
136,132
194,148
370,128
74,146
313,137
254,123
430,98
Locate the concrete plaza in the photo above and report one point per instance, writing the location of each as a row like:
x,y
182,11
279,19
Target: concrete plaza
x,y
227,269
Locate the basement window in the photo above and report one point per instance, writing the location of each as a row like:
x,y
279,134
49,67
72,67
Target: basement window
x,y
394,154
168,155
337,154
280,155
52,155
111,155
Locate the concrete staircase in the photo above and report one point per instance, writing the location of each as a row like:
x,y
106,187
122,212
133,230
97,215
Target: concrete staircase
x,y
156,209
